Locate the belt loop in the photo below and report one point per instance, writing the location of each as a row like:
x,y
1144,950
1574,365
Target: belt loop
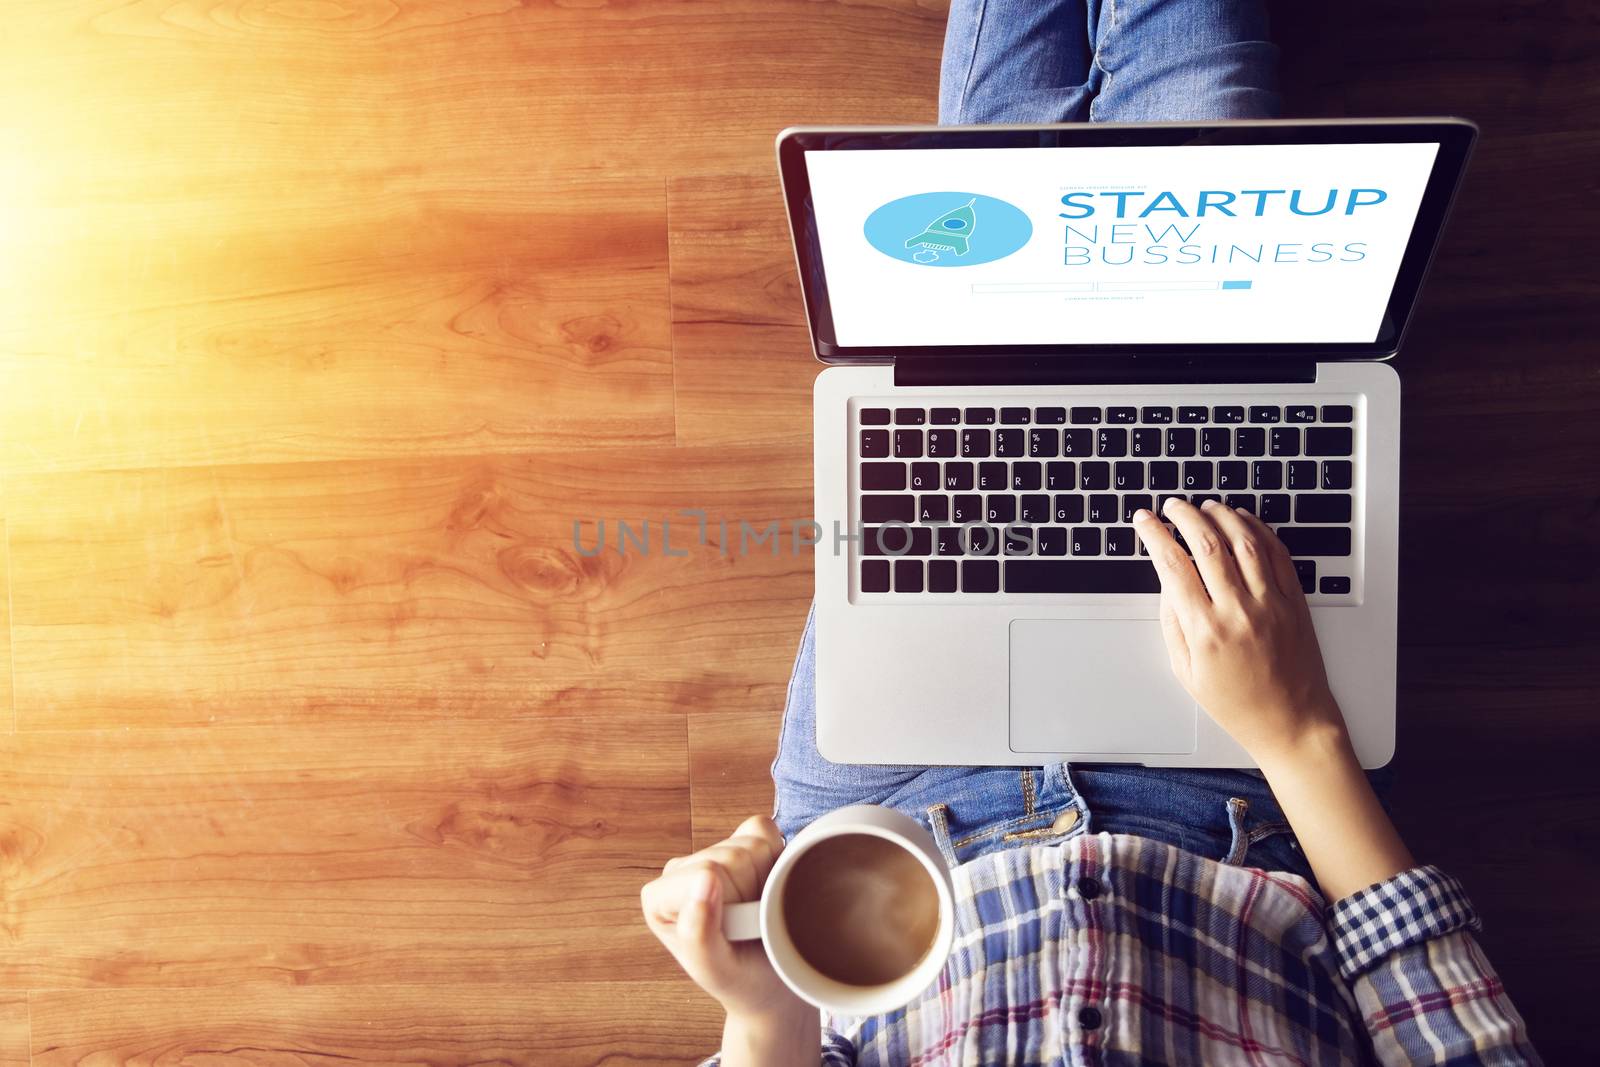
x,y
1030,795
1238,808
939,823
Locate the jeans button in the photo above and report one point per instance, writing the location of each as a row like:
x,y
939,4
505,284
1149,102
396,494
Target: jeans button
x,y
1065,821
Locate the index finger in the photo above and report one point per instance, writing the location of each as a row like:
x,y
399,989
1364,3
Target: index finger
x,y
1179,580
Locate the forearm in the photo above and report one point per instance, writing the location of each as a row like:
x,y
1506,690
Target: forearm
x,y
1347,837
791,1039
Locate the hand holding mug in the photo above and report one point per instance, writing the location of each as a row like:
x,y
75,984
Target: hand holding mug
x,y
684,909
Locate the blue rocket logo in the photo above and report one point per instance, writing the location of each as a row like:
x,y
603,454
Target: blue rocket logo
x,y
947,229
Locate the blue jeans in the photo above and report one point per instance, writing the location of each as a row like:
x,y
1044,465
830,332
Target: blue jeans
x,y
1107,61
1229,816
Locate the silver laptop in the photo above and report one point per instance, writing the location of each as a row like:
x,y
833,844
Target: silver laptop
x,y
1032,332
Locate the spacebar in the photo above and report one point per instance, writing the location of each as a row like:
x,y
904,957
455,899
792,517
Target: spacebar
x,y
1081,576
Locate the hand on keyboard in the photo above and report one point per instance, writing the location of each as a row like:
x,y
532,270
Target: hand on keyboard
x,y
1237,626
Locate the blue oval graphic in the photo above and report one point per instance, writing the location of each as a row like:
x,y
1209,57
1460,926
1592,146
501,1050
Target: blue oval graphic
x,y
947,229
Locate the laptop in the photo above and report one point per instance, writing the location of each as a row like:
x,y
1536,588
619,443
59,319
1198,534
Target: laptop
x,y
1030,333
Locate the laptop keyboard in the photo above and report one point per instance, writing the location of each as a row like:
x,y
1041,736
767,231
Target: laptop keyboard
x,y
1029,499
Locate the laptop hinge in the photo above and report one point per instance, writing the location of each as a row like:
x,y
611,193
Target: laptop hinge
x,y
1097,370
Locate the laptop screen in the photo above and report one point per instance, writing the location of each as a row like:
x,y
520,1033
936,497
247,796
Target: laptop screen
x,y
1180,245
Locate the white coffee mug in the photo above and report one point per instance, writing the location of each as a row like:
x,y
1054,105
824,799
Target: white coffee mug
x,y
764,919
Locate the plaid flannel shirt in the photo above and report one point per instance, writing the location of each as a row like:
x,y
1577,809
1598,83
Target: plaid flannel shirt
x,y
1116,950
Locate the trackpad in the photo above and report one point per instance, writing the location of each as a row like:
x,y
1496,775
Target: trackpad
x,y
1097,685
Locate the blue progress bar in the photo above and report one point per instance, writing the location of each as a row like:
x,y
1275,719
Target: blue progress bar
x,y
1236,285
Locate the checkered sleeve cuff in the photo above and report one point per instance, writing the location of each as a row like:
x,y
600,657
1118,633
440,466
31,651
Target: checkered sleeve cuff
x,y
837,1051
1412,907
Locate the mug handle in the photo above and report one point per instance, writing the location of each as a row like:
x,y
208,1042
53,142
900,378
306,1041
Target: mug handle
x,y
742,922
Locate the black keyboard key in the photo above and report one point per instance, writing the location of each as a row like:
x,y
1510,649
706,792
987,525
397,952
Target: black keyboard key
x,y
1250,441
1161,501
1133,502
1103,508
942,576
947,541
1266,474
1068,509
874,416
975,444
1095,475
1155,415
1247,501
1164,475
1111,443
1085,416
1000,508
933,509
877,477
1216,441
1307,572
1275,507
1335,586
1192,414
910,416
957,477
1019,541
980,416
1227,414
1036,508
1044,444
1285,440
1081,576
1128,474
1025,475
1200,498
874,444
982,540
980,576
1120,541
1196,475
1180,441
965,508
897,541
925,478
1300,413
1302,474
1077,443
1322,507
1146,443
1085,541
1010,443
1122,416
993,477
874,576
1050,416
908,576
1266,413
1338,413
1059,476
945,416
942,444
879,508
1015,416
1233,475
1316,540
1330,441
1337,473
1052,541
908,443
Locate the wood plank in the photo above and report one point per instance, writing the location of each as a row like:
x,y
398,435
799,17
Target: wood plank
x,y
413,324
530,1023
742,359
730,759
403,591
15,1039
462,852
7,707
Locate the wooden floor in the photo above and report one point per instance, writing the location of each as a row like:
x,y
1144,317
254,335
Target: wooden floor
x,y
322,323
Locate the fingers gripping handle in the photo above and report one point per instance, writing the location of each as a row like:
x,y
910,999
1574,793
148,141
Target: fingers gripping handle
x,y
742,922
